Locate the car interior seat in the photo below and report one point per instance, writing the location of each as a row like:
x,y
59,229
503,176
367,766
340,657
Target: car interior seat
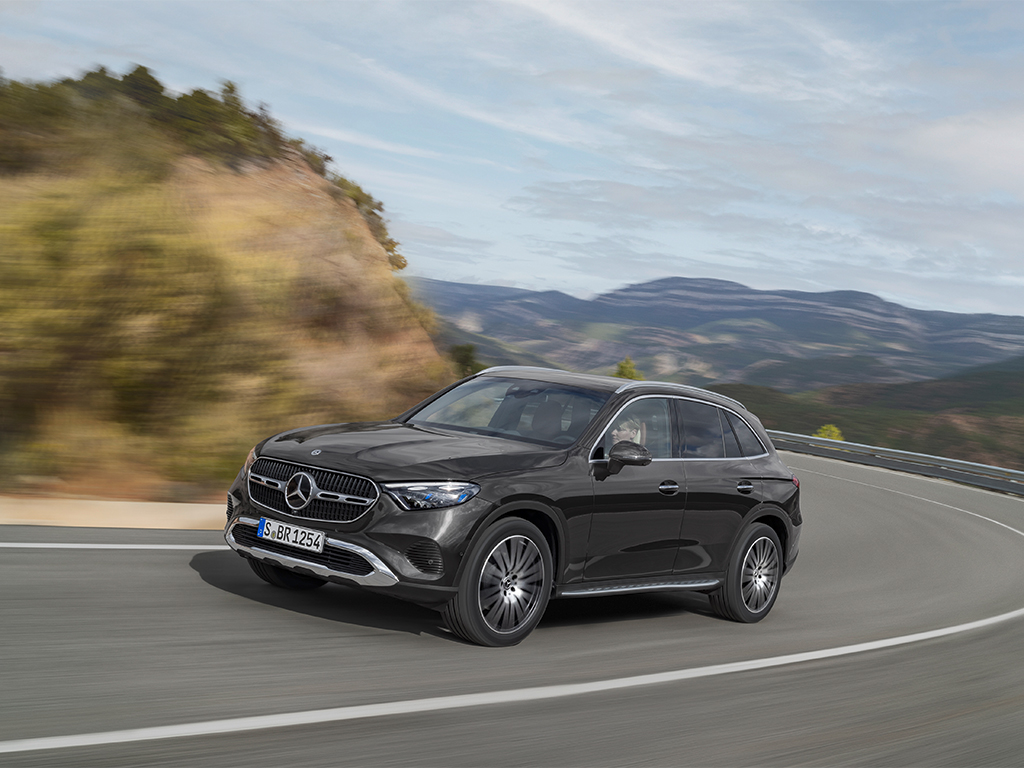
x,y
547,420
582,413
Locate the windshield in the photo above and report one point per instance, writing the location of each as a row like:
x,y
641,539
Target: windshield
x,y
535,411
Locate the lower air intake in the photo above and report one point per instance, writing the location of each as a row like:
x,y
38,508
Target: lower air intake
x,y
426,556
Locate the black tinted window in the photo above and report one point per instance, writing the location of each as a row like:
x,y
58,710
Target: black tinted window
x,y
702,431
749,444
732,443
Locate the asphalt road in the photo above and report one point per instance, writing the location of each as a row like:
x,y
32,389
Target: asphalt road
x,y
107,641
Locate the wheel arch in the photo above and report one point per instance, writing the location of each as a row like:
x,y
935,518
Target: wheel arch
x,y
765,514
547,521
774,520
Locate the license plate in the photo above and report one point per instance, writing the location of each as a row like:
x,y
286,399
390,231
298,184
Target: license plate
x,y
292,535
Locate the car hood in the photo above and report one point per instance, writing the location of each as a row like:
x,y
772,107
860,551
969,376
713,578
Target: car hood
x,y
394,452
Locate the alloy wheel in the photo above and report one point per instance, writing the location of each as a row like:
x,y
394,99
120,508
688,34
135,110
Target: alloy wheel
x,y
510,586
759,577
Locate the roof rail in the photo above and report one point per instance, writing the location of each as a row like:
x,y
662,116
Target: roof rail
x,y
684,387
499,368
623,388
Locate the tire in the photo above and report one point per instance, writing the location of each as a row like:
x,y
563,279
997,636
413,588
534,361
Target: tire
x,y
753,578
280,577
504,587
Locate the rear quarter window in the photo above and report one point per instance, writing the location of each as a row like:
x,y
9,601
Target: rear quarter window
x,y
749,443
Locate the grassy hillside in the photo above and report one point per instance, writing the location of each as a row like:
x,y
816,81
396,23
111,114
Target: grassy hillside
x,y
177,283
489,352
975,416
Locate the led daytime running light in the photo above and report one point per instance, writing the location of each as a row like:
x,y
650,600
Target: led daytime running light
x,y
414,496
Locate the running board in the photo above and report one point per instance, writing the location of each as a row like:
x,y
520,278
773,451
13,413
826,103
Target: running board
x,y
618,589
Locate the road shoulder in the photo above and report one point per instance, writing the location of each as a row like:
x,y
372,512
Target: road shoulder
x,y
100,513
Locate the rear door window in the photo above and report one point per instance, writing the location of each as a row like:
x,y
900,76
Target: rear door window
x,y
703,436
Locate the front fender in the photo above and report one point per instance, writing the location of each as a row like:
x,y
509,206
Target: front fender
x,y
550,520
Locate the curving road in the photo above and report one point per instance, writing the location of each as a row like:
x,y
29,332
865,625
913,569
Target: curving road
x,y
112,640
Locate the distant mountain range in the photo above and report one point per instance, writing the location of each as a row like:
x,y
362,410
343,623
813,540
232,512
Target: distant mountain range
x,y
706,332
939,383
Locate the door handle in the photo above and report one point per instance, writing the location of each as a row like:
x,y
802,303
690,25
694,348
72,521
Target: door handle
x,y
745,486
669,487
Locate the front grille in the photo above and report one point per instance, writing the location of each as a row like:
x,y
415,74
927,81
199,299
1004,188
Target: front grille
x,y
341,560
426,557
326,480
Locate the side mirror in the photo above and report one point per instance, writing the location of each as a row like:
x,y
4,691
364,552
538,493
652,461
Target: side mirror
x,y
627,454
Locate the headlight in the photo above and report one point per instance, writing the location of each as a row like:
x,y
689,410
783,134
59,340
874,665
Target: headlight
x,y
249,461
431,495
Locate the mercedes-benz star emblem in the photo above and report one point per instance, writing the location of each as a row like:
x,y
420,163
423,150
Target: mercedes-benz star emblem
x,y
299,490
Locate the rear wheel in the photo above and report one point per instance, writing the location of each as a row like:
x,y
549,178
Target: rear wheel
x,y
752,581
281,577
504,587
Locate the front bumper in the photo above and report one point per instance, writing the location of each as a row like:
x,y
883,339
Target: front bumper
x,y
340,560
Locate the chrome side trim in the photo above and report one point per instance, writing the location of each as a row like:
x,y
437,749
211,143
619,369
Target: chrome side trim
x,y
693,458
625,588
382,576
680,397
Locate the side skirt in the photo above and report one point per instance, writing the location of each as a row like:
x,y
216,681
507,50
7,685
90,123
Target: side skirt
x,y
624,587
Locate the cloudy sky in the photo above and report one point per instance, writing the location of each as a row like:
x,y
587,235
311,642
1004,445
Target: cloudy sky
x,y
583,145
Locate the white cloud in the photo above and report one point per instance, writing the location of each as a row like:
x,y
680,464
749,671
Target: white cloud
x,y
547,125
983,149
362,140
438,237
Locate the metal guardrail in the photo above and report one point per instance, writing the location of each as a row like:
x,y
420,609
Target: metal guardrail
x,y
969,473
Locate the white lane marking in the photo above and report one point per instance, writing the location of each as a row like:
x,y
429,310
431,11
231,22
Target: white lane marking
x,y
441,703
912,496
59,545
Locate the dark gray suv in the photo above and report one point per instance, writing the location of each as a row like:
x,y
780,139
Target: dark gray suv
x,y
519,485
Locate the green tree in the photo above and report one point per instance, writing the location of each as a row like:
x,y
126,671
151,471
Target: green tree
x,y
829,432
98,84
44,125
371,211
32,117
141,86
464,357
626,369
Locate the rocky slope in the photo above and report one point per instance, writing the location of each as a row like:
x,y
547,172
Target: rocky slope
x,y
350,332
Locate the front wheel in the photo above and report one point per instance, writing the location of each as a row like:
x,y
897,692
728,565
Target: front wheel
x,y
752,581
504,587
